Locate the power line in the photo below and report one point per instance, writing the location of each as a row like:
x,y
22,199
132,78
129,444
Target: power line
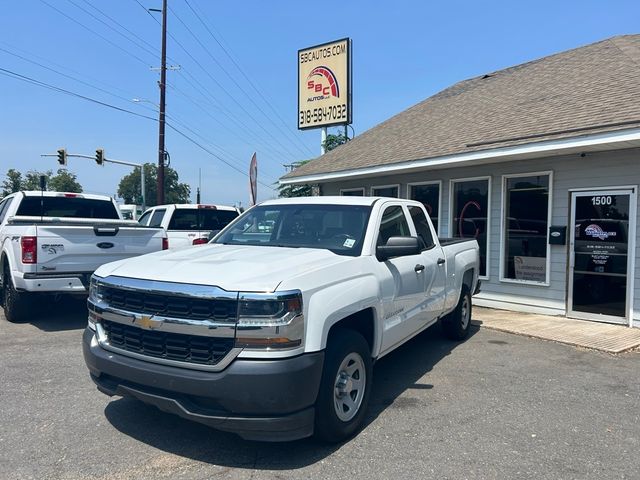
x,y
33,81
147,11
153,48
33,55
181,133
232,97
235,82
246,77
202,89
181,123
196,85
134,42
95,33
65,75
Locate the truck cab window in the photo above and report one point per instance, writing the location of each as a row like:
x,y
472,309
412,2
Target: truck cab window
x,y
4,206
156,218
144,219
393,224
422,227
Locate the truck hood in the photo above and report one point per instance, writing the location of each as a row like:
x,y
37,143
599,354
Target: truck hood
x,y
230,267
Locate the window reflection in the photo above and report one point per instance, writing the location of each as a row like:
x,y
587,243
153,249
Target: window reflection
x,y
429,196
385,192
470,207
526,224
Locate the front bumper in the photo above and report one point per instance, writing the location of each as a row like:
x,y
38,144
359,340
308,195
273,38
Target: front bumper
x,y
267,400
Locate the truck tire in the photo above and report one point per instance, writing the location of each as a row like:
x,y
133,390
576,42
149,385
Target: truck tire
x,y
16,307
456,325
345,386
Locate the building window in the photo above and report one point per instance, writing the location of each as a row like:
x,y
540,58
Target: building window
x,y
470,214
386,191
429,195
352,192
526,220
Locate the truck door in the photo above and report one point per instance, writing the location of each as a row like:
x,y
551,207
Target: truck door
x,y
433,260
402,284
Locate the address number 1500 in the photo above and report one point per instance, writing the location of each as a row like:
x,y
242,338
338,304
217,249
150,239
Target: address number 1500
x,y
323,114
602,200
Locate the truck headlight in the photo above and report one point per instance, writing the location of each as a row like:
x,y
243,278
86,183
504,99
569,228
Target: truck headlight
x,y
95,289
270,321
95,296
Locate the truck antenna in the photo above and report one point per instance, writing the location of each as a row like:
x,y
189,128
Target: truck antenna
x,y
43,185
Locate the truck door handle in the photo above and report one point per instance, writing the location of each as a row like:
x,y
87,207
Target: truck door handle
x,y
418,268
441,261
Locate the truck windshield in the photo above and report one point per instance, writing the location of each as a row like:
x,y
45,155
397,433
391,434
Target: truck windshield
x,y
67,207
339,228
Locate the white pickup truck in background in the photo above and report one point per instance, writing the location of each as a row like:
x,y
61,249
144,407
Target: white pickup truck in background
x,y
52,242
189,224
270,331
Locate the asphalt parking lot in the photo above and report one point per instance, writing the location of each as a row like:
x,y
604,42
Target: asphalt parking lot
x,y
497,406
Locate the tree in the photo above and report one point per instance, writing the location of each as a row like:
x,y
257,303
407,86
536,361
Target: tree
x,y
175,192
289,191
333,141
32,179
64,181
304,190
12,182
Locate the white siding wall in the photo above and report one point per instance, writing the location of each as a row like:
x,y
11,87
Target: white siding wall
x,y
595,170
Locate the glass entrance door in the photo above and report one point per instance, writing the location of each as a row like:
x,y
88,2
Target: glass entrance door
x,y
599,251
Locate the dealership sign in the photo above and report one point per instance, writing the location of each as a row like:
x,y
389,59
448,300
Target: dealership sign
x,y
324,85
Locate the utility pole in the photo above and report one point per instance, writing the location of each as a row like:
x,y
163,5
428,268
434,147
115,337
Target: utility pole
x,y
163,79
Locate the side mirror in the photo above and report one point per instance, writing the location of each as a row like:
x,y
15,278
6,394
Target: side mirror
x,y
213,233
398,247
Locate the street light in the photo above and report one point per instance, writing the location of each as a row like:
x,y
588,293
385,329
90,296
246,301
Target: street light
x,y
144,100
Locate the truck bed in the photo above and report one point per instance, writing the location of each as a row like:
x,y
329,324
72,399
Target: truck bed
x,y
444,241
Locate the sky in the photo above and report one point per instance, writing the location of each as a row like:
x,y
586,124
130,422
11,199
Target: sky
x,y
232,88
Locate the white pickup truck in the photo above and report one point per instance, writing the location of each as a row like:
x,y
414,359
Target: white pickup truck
x,y
270,331
52,242
189,224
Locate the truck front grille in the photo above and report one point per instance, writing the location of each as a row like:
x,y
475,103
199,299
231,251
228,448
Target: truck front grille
x,y
177,306
170,346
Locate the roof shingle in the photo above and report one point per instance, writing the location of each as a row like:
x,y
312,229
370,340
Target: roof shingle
x,y
591,89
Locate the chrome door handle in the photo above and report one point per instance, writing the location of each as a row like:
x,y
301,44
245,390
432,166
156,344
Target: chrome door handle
x,y
441,261
418,268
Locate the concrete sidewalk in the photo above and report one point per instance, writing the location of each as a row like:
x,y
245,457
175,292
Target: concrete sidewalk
x,y
599,336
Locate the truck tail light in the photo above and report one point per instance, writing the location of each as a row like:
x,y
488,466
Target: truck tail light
x,y
199,241
165,243
29,247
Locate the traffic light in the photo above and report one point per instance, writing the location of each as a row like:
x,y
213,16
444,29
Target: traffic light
x,y
62,157
100,156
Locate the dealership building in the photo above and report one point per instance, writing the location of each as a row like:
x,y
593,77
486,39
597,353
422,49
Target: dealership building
x,y
539,162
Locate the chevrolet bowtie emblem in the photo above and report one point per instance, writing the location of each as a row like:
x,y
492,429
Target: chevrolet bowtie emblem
x,y
147,321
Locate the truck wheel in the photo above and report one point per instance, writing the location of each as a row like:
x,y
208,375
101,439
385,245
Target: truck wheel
x,y
456,325
15,304
344,388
